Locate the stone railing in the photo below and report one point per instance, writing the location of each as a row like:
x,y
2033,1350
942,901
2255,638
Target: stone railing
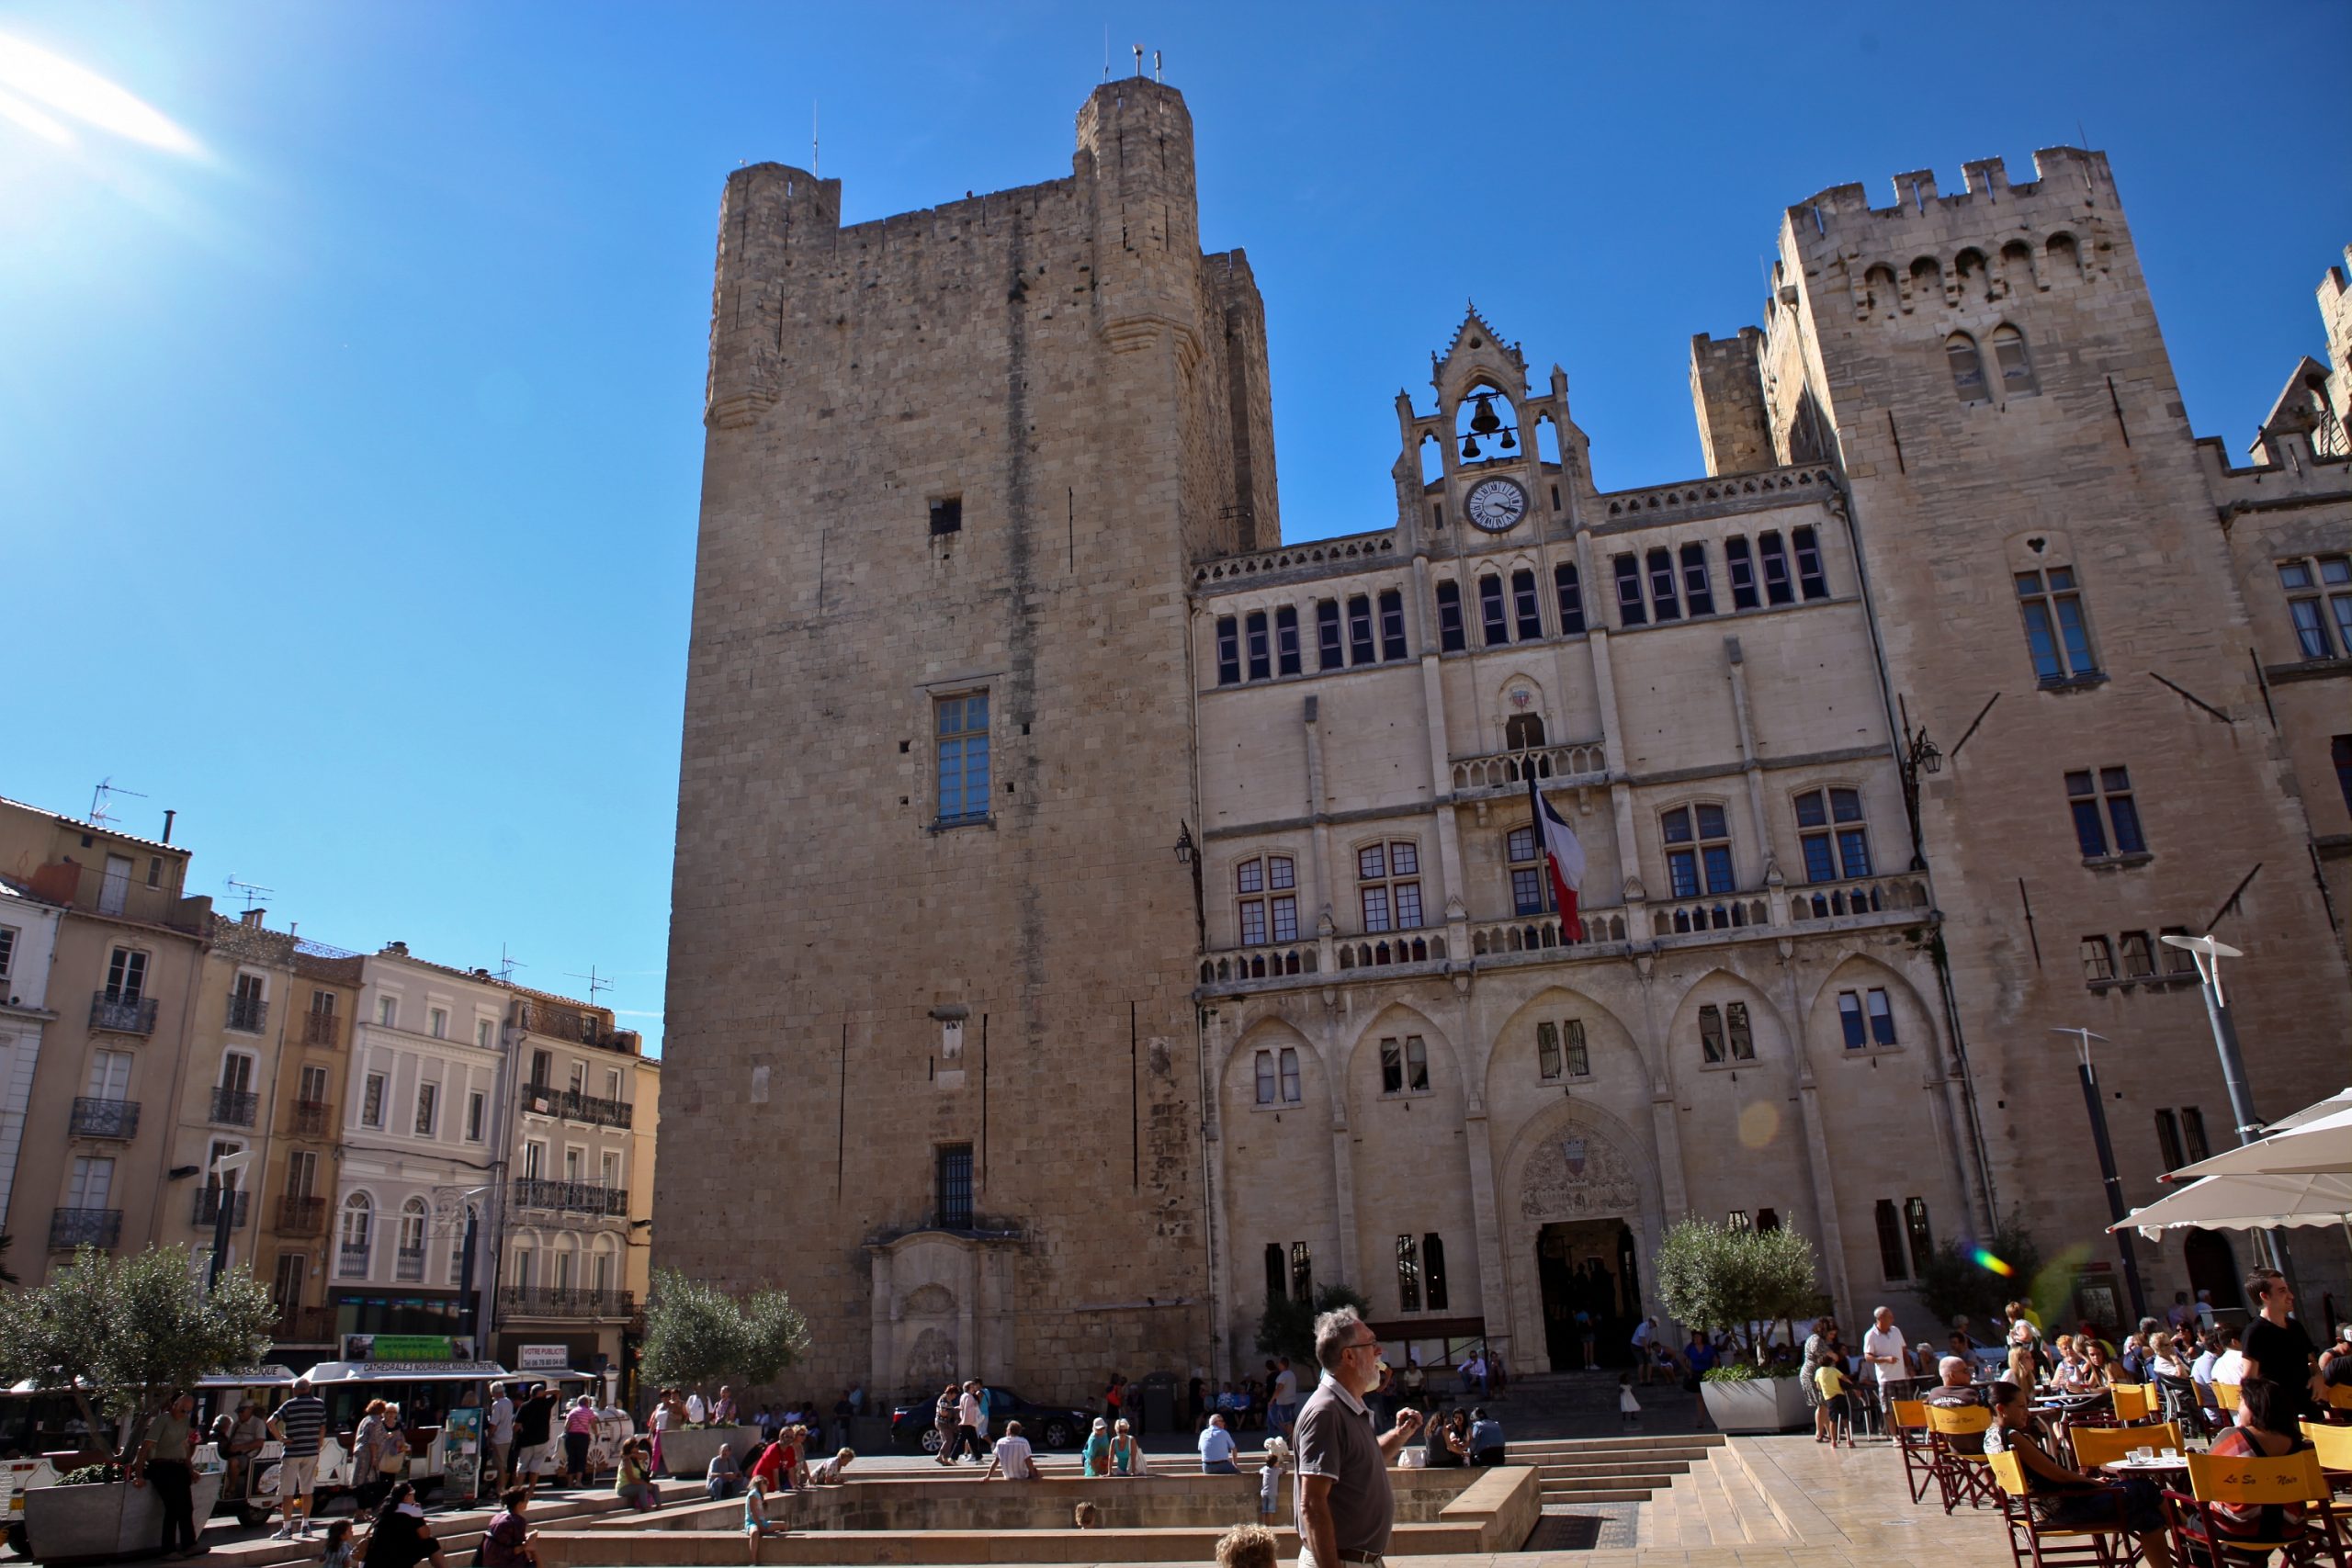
x,y
1355,549
1260,963
1391,947
1870,895
1724,912
1540,933
1574,763
1728,493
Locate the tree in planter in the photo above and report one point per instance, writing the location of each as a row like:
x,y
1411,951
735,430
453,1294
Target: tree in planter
x,y
697,1333
1954,1281
1287,1326
1715,1277
127,1331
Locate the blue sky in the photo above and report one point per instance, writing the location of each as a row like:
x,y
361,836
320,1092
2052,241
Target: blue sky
x,y
350,414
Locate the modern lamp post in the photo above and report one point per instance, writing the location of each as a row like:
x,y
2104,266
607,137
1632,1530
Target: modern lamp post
x,y
2083,1038
2208,953
225,1207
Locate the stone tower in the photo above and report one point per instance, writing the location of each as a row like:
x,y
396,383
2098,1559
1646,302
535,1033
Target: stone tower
x,y
932,1062
2056,607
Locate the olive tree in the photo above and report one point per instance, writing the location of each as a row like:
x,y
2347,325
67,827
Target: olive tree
x,y
127,1331
1718,1277
697,1333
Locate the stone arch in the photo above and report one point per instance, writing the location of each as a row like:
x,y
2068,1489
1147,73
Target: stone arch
x,y
2017,269
1236,1074
1509,706
2066,257
1878,294
1769,1028
1508,1052
1926,282
1970,271
1486,402
1573,1160
1409,1020
1860,970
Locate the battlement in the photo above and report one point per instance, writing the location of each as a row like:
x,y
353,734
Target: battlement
x,y
2064,175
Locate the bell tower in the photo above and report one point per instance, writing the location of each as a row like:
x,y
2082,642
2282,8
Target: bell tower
x,y
1488,461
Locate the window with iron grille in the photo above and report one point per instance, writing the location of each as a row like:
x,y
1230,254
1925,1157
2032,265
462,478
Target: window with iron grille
x,y
955,1187
2104,812
946,515
1571,598
1408,1274
1302,1272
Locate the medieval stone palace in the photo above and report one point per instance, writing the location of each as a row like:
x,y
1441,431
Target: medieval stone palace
x,y
1094,915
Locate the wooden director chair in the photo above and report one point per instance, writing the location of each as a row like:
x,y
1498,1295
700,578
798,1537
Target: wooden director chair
x,y
1917,1444
2197,1537
2094,1446
2333,1445
2044,1546
1961,1475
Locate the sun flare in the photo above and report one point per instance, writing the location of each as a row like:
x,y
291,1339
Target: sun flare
x,y
38,88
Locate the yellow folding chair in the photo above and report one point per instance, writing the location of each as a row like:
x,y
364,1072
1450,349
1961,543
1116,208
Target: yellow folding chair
x,y
2044,1546
2133,1402
2226,1395
2334,1447
1918,1446
2200,1534
1958,1434
2094,1446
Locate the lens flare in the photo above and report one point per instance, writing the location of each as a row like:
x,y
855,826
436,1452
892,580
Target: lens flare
x,y
1986,1260
54,82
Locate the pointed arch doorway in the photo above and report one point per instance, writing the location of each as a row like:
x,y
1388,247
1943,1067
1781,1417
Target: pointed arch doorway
x,y
1590,1279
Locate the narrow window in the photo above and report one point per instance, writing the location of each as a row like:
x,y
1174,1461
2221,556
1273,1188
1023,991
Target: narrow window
x,y
2139,957
1258,641
1563,585
2168,1140
2339,751
1665,606
1890,1242
483,1029
437,1023
428,1105
2176,958
1811,581
1265,1077
477,1108
1527,892
371,1102
1547,1050
1250,883
1277,1273
954,1187
947,515
1450,638
1739,1220
1290,1075
2098,959
1327,635
1359,645
1408,1274
1525,607
1850,1020
2015,363
1741,566
1287,655
1967,367
1434,1271
1743,1043
1391,624
1711,1032
1777,587
2055,633
388,1010
1302,1271
1228,651
2192,1133
1923,1240
1630,611
1768,1219
1882,1017
1493,626
1579,1059
962,725
1392,1067
1417,1063
1697,593
2090,829
2122,815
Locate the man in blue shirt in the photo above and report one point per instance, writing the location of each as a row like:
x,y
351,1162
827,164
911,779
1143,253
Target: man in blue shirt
x,y
1485,1438
1218,1446
1698,1356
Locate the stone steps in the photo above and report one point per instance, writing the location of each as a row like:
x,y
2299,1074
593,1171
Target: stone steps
x,y
1715,1503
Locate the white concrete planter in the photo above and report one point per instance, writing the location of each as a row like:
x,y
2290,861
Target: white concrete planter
x,y
1759,1404
65,1524
688,1451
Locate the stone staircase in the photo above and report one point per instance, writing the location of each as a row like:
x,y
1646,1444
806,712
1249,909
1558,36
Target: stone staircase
x,y
1716,1502
1629,1469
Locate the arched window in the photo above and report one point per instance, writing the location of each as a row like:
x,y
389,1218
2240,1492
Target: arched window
x,y
358,1220
1967,368
410,1261
2016,364
1523,731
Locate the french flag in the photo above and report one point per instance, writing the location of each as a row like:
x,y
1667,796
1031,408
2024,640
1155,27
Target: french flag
x,y
1563,856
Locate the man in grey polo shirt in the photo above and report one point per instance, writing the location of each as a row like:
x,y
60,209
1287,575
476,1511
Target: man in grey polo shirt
x,y
1345,1506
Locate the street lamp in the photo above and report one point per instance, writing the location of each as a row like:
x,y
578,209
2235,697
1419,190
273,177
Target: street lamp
x,y
1188,854
2208,953
2083,1038
225,1208
1916,755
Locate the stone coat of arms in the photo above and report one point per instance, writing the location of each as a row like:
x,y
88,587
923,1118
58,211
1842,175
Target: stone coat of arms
x,y
1578,1177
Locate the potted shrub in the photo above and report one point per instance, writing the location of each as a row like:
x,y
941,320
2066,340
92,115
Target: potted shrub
x,y
698,1336
1715,1277
120,1335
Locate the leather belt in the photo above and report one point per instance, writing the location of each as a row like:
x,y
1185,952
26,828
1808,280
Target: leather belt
x,y
1369,1557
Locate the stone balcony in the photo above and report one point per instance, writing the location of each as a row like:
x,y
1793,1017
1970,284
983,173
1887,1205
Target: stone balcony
x,y
1616,931
1507,773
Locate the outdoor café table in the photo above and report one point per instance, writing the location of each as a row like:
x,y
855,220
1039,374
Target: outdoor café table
x,y
2149,1467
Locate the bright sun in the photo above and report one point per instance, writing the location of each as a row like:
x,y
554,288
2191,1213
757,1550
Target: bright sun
x,y
40,91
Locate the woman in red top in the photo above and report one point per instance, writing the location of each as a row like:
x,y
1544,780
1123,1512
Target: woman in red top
x,y
768,1469
2264,1429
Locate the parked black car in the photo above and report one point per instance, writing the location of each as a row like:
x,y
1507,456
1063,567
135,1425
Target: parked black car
x,y
914,1429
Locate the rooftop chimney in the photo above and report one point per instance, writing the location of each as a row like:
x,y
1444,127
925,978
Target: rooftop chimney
x,y
167,825
252,918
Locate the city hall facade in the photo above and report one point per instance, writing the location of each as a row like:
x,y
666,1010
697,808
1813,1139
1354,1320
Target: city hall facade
x,y
1094,916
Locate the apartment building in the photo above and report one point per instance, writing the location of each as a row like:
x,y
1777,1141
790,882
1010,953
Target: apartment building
x,y
27,942
296,1186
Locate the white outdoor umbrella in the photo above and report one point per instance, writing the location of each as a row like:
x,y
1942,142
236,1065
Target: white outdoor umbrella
x,y
2320,1145
2248,1202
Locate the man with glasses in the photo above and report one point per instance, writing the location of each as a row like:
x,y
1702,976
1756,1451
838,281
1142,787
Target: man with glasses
x,y
1345,1506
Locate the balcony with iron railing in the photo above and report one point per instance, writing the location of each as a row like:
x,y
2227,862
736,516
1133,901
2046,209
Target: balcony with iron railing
x,y
105,1118
545,1100
208,1208
564,1301
408,1264
351,1260
302,1215
236,1107
571,1197
322,1029
304,1326
310,1118
70,1228
248,1015
122,1015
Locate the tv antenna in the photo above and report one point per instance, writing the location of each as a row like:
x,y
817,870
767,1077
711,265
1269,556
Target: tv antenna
x,y
103,796
816,157
595,983
1139,49
254,891
508,964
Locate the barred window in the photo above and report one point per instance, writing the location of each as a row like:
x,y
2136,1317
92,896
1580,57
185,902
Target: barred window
x,y
1408,1274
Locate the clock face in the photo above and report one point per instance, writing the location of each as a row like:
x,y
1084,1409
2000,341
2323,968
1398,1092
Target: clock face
x,y
1496,504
